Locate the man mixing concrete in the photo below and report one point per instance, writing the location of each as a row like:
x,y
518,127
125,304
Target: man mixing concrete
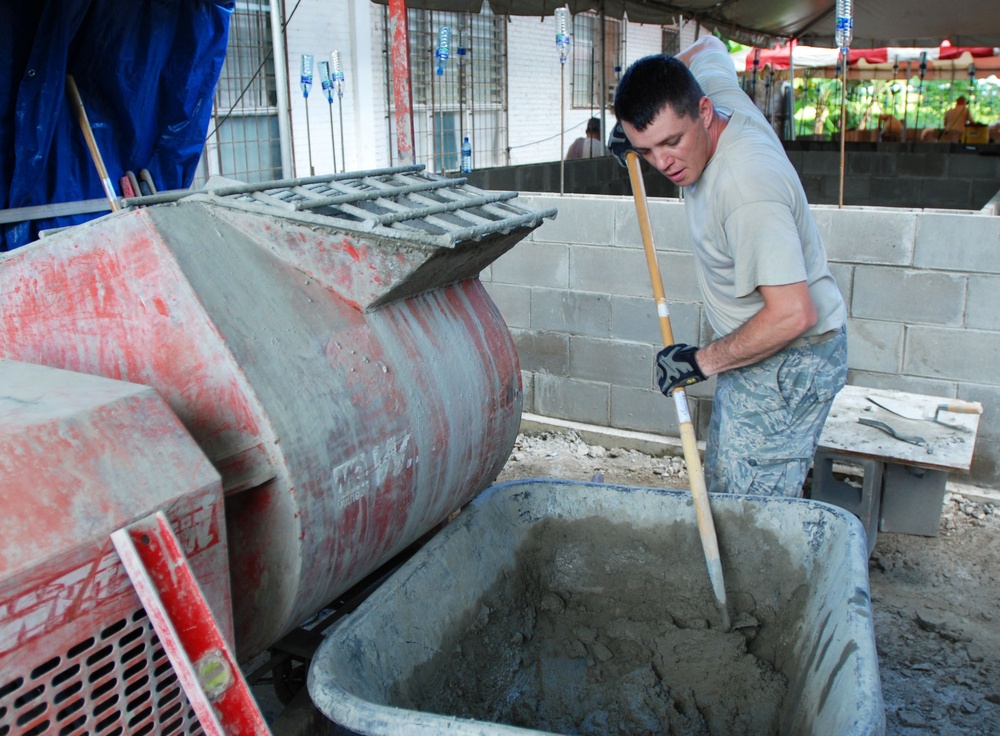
x,y
780,355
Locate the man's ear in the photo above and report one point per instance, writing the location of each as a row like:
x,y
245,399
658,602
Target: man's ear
x,y
705,111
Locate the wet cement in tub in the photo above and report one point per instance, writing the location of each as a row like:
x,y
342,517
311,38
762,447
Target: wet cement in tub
x,y
605,629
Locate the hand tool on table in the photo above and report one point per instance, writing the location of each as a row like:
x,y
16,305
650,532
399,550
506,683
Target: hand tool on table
x,y
890,430
81,115
908,411
703,511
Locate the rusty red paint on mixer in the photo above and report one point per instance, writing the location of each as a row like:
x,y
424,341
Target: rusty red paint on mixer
x,y
343,432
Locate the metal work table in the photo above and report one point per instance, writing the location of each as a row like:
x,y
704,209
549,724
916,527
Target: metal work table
x,y
903,483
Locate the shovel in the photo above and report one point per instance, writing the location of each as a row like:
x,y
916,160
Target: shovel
x,y
699,493
908,410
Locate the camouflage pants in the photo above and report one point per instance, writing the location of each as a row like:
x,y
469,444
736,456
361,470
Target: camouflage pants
x,y
767,419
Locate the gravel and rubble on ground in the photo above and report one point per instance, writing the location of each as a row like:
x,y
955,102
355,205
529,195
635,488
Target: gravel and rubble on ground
x,y
936,600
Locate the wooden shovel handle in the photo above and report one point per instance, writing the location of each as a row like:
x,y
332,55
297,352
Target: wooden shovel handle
x,y
699,493
88,134
962,407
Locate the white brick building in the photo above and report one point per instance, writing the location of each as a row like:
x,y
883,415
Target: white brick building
x,y
508,92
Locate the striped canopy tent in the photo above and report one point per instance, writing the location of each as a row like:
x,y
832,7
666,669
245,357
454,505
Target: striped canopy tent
x,y
887,62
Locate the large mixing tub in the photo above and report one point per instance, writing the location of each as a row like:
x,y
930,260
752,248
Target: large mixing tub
x,y
563,607
326,342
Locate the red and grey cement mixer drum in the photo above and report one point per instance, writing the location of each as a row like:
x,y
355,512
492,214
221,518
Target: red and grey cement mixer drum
x,y
326,342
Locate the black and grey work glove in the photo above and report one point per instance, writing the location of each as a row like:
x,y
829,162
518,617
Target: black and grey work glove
x,y
676,366
619,144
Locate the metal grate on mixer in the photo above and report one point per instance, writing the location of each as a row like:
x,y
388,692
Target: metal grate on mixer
x,y
403,201
117,682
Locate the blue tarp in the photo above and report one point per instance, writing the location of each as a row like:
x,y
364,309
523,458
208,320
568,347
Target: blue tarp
x,y
146,70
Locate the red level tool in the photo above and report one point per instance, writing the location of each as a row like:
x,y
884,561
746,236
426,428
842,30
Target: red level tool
x,y
160,573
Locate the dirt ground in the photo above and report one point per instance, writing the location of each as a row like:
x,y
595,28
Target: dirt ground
x,y
936,600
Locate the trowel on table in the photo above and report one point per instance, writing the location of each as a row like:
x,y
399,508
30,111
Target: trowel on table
x,y
908,410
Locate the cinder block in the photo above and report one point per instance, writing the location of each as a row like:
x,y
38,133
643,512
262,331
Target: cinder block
x,y
615,362
947,193
912,500
896,382
577,401
983,191
857,189
542,352
860,163
964,165
571,312
532,263
635,319
514,303
821,163
936,245
986,462
528,392
844,275
581,219
982,310
874,345
989,422
885,165
869,235
907,296
952,354
667,218
624,271
924,165
643,411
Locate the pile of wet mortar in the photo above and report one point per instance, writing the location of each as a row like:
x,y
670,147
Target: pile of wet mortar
x,y
604,628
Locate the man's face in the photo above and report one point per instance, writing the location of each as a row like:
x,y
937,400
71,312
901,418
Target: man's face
x,y
678,147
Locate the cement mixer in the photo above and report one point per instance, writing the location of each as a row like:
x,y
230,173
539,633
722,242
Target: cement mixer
x,y
326,343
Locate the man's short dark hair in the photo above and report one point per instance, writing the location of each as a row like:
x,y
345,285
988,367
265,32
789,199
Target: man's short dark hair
x,y
594,126
652,83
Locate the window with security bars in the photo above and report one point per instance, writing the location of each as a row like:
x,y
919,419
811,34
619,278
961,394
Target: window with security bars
x,y
468,98
243,140
597,59
671,40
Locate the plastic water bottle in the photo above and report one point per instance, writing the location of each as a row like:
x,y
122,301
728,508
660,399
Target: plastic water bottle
x,y
466,156
562,33
338,73
307,74
443,49
845,23
327,80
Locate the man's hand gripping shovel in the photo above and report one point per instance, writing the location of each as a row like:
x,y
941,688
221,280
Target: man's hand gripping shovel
x,y
619,145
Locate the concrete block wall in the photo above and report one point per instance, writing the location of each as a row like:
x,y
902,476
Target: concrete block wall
x,y
881,175
922,289
898,174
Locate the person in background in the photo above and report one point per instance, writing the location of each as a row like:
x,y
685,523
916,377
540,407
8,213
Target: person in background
x,y
780,347
955,121
890,128
591,145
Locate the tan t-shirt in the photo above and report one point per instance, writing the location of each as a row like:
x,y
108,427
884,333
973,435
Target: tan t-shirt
x,y
749,219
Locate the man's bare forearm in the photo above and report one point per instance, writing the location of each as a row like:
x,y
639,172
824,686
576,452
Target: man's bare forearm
x,y
787,313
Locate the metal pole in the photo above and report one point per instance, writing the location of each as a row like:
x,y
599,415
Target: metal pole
x,y
562,128
333,139
843,127
791,72
281,85
343,156
906,104
402,91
